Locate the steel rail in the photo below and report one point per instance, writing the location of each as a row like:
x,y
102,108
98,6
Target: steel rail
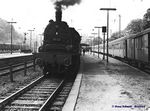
x,y
18,93
52,96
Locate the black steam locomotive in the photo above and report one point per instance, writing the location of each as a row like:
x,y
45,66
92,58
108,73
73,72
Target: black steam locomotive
x,y
60,52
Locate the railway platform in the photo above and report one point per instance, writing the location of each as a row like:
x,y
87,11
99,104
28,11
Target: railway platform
x,y
8,55
109,87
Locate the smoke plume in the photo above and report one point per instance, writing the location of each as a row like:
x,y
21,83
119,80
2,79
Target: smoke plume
x,y
66,2
61,4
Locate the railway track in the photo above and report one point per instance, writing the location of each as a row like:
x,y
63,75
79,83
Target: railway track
x,y
60,99
35,96
41,95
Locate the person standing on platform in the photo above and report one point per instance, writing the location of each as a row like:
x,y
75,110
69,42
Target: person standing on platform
x,y
83,52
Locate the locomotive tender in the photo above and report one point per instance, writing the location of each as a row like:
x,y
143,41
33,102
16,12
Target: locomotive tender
x,y
60,52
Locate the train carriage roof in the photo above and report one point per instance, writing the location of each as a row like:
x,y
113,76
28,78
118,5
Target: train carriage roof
x,y
117,40
139,34
132,36
143,32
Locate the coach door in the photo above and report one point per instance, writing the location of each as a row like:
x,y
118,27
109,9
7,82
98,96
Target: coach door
x,y
148,47
145,48
125,46
138,53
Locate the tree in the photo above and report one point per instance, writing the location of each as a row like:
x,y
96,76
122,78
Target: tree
x,y
117,35
134,26
146,19
95,41
5,29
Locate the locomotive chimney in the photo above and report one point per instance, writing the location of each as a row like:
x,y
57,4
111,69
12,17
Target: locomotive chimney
x,y
58,13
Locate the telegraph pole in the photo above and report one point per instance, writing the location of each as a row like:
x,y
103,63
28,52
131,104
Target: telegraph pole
x,y
24,41
25,34
108,9
11,34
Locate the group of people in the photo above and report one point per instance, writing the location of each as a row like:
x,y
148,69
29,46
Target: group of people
x,y
84,50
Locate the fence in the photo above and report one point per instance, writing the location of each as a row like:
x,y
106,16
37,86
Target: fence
x,y
13,64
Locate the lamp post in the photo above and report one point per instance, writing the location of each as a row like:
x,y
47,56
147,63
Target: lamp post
x,y
93,40
108,9
98,37
11,34
91,37
31,37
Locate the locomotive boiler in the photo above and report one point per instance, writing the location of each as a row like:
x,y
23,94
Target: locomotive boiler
x,y
60,52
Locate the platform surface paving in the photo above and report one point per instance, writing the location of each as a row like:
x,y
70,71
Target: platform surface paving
x,y
112,87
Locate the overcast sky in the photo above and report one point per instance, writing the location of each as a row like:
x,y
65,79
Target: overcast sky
x,y
31,14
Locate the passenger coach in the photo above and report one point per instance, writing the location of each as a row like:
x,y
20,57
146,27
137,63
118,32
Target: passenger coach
x,y
134,48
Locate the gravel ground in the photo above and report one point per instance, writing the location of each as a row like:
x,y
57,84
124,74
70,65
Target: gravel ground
x,y
7,86
112,87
